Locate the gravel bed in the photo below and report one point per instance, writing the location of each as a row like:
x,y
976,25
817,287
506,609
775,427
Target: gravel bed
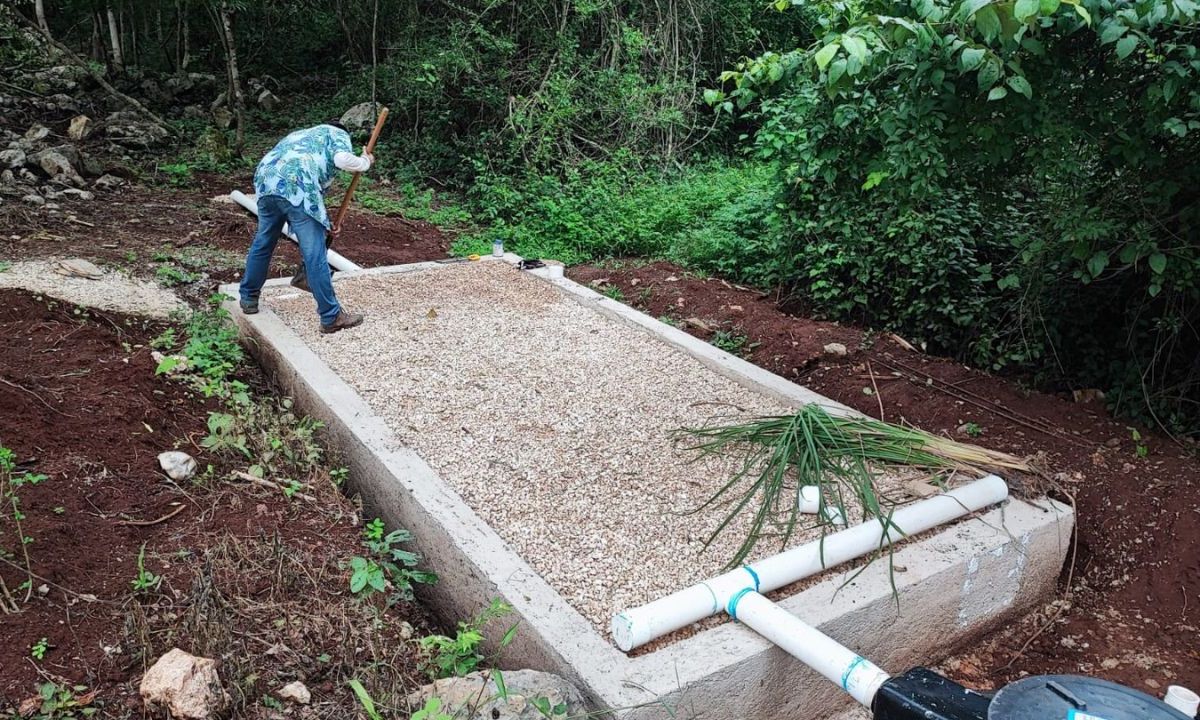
x,y
112,291
554,423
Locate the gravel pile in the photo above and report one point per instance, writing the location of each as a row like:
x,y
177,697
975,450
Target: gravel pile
x,y
112,290
552,422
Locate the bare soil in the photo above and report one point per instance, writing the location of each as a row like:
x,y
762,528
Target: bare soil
x,y
248,577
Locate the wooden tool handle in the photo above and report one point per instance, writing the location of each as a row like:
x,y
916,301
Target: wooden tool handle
x,y
341,213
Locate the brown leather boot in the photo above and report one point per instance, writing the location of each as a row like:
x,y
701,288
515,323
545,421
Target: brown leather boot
x,y
300,279
344,320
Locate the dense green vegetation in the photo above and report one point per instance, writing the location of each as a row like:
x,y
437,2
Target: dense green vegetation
x,y
1013,182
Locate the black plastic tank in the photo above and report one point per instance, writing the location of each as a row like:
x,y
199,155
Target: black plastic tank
x,y
1072,697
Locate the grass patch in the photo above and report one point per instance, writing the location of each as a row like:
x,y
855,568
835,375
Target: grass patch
x,y
842,456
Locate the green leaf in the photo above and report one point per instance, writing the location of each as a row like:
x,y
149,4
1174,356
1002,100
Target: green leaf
x,y
988,22
364,698
1111,32
856,47
1096,263
997,93
509,635
836,71
1126,46
1024,9
1154,289
989,74
1020,84
501,688
825,55
1049,7
1158,263
712,97
1083,13
358,581
971,58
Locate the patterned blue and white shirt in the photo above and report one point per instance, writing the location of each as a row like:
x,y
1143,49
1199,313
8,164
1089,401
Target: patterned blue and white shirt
x,y
300,168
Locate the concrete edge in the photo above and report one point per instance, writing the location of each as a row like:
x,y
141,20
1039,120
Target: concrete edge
x,y
476,562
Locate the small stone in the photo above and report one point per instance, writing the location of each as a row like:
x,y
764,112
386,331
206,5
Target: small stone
x,y
37,132
267,100
361,116
81,127
34,199
296,692
108,182
178,466
186,686
13,158
222,118
836,349
736,309
78,267
1112,442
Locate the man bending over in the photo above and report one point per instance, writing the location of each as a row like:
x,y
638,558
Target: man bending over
x,y
291,182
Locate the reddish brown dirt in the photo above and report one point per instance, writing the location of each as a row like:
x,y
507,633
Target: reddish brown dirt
x,y
82,405
130,226
1130,603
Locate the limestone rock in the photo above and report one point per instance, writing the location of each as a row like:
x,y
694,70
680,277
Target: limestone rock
x,y
34,199
222,118
58,167
461,695
37,132
13,158
836,349
267,100
361,117
81,127
108,182
296,692
178,466
130,129
186,686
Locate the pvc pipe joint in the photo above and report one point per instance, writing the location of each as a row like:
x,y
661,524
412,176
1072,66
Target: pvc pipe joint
x,y
810,504
1183,700
845,668
635,627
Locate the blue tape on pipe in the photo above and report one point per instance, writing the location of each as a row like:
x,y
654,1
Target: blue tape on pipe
x,y
850,669
754,575
733,601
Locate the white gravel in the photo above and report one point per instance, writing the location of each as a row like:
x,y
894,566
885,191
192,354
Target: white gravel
x,y
552,422
112,291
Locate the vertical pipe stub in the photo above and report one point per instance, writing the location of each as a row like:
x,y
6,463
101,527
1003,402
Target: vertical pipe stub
x,y
1183,700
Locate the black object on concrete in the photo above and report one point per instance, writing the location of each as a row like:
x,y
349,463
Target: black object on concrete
x,y
1072,697
922,694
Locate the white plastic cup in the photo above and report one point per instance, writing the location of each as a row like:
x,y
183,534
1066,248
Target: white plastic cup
x,y
1183,700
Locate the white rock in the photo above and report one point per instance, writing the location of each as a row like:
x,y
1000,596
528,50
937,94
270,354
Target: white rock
x,y
267,100
177,465
34,199
297,692
37,132
461,696
58,167
186,686
108,182
837,349
361,116
81,127
14,158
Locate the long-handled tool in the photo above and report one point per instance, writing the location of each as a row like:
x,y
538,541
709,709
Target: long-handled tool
x,y
300,279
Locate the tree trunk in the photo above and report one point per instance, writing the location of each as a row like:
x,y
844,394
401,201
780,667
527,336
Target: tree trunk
x,y
235,81
39,8
97,43
186,58
114,37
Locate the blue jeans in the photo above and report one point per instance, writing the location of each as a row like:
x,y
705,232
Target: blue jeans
x,y
273,212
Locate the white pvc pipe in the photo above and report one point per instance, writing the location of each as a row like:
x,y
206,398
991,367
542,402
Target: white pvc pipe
x,y
637,626
336,259
840,665
1182,699
810,504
